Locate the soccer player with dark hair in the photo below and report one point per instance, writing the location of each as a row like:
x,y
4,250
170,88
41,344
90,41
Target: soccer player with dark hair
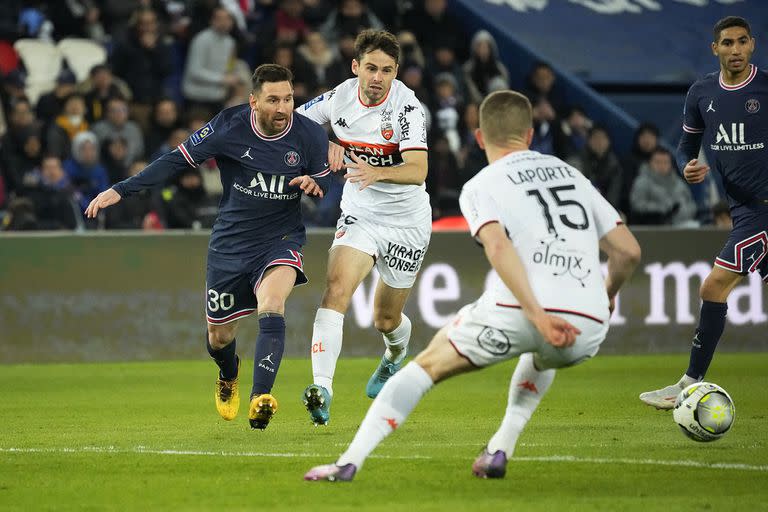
x,y
725,114
386,219
542,225
267,156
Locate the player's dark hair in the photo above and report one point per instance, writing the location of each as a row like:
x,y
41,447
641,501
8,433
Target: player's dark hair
x,y
270,73
371,40
728,22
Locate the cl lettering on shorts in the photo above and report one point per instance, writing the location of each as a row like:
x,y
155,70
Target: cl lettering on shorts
x,y
317,348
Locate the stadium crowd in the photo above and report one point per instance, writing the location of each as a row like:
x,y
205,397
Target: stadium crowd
x,y
168,66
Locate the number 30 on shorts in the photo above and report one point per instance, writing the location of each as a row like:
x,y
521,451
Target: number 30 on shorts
x,y
220,301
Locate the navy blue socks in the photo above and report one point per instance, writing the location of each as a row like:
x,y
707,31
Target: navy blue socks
x,y
269,352
226,359
711,325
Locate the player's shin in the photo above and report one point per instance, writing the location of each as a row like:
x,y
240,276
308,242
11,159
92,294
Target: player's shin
x,y
708,332
269,352
397,341
326,346
526,389
226,358
395,402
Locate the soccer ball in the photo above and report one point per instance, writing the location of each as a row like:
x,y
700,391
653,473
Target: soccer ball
x,y
704,411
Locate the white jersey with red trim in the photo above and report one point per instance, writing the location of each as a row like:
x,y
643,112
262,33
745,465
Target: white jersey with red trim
x,y
378,134
555,219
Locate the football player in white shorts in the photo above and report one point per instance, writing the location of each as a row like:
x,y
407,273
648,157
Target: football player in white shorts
x,y
386,219
542,225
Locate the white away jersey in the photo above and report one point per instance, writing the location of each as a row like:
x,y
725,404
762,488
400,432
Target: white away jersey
x,y
555,219
378,134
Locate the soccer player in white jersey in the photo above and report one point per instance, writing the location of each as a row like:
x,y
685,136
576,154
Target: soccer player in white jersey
x,y
386,220
542,225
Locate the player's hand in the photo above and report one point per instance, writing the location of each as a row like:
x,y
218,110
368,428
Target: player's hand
x,y
307,185
335,157
694,172
556,331
362,172
103,200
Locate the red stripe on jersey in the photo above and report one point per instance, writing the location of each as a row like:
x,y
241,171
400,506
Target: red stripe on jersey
x,y
255,128
186,155
752,74
360,99
688,129
369,149
321,174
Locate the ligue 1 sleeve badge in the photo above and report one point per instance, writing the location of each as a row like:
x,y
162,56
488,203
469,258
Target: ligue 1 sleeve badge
x,y
386,130
292,158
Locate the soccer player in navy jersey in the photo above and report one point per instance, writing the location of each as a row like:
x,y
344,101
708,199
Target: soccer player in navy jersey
x,y
724,115
267,156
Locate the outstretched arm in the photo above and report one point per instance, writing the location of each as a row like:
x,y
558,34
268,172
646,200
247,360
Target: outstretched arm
x,y
505,260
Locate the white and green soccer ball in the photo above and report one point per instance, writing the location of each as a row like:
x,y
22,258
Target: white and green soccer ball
x,y
704,411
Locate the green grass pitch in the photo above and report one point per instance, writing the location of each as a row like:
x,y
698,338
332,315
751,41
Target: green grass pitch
x,y
146,436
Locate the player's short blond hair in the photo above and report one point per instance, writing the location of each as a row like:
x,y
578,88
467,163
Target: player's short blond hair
x,y
505,116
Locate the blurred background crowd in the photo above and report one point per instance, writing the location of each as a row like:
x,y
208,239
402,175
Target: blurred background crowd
x,y
93,90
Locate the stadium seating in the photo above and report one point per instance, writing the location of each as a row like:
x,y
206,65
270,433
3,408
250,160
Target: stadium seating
x,y
42,60
81,55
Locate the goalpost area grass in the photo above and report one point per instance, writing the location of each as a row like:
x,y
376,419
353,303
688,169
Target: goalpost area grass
x,y
146,436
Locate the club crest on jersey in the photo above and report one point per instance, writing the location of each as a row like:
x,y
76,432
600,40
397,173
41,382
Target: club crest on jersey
x,y
752,105
200,135
386,130
341,232
292,158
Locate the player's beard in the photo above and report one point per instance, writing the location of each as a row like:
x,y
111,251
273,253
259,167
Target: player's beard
x,y
275,124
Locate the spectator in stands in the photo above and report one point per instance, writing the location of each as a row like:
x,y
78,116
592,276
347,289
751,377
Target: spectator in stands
x,y
316,12
410,50
23,165
207,73
446,110
13,88
176,137
436,27
547,133
185,202
413,77
140,211
320,57
114,152
644,143
290,26
143,60
116,123
55,200
165,119
100,86
470,122
118,16
484,72
76,18
340,70
20,215
51,104
304,80
600,165
66,126
659,195
21,119
575,127
442,181
540,83
84,169
443,60
351,17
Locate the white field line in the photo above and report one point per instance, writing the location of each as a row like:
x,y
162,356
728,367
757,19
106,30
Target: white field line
x,y
550,458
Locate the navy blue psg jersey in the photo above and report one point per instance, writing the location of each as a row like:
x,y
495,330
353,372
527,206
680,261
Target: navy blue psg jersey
x,y
257,205
733,122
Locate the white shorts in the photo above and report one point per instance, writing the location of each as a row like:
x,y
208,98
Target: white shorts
x,y
398,251
485,333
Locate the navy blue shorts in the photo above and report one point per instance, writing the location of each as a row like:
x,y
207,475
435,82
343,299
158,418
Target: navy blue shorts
x,y
231,283
746,248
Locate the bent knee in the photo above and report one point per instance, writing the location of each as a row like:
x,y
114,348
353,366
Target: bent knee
x,y
219,336
336,295
385,323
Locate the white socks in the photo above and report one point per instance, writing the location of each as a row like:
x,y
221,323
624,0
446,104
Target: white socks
x,y
526,390
686,381
326,346
397,340
395,402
